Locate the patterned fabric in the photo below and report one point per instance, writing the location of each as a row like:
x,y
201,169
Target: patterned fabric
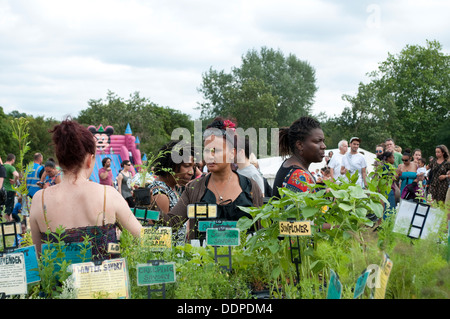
x,y
100,236
294,179
158,187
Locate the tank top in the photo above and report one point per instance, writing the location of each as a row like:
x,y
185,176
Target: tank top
x,y
100,236
125,188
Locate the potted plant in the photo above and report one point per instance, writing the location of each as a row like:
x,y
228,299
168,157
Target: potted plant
x,y
143,178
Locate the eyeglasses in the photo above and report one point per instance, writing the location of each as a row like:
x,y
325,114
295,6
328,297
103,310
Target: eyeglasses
x,y
405,160
379,151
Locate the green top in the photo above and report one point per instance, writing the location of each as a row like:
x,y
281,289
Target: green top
x,y
9,175
398,159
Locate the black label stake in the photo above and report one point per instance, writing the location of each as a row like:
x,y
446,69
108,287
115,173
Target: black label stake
x,y
163,288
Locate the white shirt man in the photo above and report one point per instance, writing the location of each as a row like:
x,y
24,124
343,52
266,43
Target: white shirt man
x,y
336,160
355,161
246,168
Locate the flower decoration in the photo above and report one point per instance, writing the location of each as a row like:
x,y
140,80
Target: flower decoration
x,y
229,124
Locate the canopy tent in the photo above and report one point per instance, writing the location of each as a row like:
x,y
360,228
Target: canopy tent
x,y
269,166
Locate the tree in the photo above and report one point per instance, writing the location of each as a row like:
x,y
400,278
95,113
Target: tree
x,y
276,89
408,99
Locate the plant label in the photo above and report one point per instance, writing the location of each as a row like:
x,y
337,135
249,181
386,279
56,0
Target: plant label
x,y
289,228
202,210
146,214
383,277
334,287
203,225
222,237
13,277
156,238
31,263
107,280
71,251
361,284
149,274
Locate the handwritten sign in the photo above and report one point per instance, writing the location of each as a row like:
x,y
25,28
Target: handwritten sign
x,y
383,277
202,211
203,225
108,280
149,274
13,277
31,263
288,228
156,238
222,237
334,287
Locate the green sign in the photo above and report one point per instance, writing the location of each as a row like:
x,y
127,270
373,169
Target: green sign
x,y
361,284
203,225
149,274
144,213
222,236
334,287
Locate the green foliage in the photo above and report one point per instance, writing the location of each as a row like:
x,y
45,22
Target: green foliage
x,y
268,90
407,99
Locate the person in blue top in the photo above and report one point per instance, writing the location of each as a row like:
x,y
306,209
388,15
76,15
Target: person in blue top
x,y
35,175
17,210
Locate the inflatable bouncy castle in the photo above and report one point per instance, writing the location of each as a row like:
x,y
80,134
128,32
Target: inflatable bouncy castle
x,y
117,147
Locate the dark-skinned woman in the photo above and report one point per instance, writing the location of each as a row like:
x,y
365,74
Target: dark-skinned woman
x,y
222,186
303,144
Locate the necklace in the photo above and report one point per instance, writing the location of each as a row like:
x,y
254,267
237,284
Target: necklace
x,y
214,184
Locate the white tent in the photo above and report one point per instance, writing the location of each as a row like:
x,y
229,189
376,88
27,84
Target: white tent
x,y
269,166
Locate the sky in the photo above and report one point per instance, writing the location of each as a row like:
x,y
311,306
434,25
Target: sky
x,y
57,55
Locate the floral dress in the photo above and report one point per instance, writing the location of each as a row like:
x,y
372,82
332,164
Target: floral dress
x,y
438,188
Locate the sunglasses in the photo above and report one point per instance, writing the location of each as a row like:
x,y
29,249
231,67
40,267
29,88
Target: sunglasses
x,y
405,160
379,151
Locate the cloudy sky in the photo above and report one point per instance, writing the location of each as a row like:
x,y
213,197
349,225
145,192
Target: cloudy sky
x,y
56,55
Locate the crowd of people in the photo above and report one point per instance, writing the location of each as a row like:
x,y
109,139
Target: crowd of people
x,y
227,177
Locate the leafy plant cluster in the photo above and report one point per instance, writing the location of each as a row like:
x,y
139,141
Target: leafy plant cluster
x,y
344,240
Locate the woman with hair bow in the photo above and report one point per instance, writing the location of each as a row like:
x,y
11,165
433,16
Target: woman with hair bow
x,y
222,186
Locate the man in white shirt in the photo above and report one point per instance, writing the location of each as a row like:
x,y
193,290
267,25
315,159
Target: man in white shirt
x,y
335,163
355,161
245,167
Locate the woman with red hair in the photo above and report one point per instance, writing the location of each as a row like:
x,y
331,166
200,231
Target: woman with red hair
x,y
82,207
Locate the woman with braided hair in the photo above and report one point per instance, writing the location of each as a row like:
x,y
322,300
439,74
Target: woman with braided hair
x,y
303,144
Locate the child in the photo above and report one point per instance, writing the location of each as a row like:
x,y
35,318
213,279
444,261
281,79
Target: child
x,y
422,169
17,210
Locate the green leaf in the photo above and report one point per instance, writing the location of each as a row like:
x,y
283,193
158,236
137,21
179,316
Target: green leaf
x,y
345,207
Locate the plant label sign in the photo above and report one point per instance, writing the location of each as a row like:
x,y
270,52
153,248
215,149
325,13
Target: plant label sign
x,y
335,286
202,210
289,228
203,225
146,214
110,279
361,284
71,251
13,276
149,274
156,238
222,237
31,263
383,277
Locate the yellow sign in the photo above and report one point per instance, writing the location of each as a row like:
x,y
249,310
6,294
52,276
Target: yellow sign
x,y
108,280
383,277
202,211
295,228
156,238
